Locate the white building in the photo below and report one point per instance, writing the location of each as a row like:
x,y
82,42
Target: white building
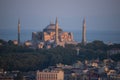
x,y
50,75
28,43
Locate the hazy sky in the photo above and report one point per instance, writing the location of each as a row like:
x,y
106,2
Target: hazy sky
x,y
37,14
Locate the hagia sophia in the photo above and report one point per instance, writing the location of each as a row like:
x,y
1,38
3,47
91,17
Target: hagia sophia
x,y
52,36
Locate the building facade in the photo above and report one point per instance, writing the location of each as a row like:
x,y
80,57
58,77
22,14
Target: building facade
x,y
50,75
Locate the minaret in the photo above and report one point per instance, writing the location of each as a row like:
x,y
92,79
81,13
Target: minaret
x,y
84,33
56,32
18,31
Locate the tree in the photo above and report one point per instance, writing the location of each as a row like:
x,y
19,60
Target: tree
x,y
97,45
10,42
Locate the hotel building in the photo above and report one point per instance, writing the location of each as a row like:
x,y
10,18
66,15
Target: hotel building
x,y
50,75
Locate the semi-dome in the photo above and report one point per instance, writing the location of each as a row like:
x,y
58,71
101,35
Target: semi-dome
x,y
51,28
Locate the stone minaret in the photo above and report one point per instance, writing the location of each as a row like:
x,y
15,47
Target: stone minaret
x,y
84,33
56,32
18,31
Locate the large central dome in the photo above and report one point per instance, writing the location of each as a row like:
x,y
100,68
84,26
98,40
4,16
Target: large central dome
x,y
51,28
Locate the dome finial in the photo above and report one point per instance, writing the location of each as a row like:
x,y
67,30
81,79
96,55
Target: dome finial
x,y
51,22
56,20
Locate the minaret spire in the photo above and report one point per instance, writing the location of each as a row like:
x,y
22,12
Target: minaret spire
x,y
18,31
56,32
51,22
84,33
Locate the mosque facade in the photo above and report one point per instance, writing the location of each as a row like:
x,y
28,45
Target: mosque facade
x,y
53,34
